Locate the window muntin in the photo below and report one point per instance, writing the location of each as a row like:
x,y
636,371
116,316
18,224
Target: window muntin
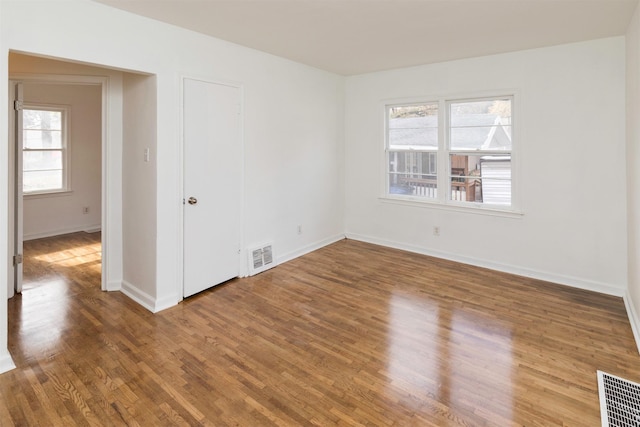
x,y
473,140
44,149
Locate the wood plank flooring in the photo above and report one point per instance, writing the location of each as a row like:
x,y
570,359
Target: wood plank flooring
x,y
352,334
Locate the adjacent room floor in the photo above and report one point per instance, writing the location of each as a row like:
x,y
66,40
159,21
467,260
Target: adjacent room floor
x,y
352,334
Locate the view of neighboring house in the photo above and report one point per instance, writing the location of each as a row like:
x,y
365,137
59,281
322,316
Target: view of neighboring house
x,y
475,176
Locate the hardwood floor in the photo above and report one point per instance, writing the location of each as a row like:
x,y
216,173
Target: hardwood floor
x,y
352,334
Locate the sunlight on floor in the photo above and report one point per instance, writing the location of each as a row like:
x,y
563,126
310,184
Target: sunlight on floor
x,y
66,258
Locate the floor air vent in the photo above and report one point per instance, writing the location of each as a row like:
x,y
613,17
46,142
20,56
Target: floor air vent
x,y
261,259
619,401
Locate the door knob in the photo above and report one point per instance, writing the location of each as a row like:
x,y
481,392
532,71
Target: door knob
x,y
192,200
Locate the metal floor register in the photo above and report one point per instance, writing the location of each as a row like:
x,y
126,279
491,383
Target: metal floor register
x,y
619,401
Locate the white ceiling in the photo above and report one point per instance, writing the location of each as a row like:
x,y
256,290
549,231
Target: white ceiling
x,y
358,36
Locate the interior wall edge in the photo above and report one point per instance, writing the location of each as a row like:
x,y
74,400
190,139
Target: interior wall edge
x,y
633,318
141,297
6,363
113,286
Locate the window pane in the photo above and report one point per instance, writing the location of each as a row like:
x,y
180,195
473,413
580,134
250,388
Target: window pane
x,y
42,160
481,125
466,189
412,173
496,192
40,119
464,165
42,180
413,126
42,139
485,179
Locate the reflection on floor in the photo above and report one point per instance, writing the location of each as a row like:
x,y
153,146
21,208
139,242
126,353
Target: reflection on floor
x,y
71,258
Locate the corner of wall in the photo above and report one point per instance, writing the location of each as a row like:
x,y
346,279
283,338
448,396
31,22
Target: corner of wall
x,y
633,318
6,363
147,301
632,43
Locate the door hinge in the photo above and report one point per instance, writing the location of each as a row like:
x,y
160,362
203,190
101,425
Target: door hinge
x,y
17,259
18,105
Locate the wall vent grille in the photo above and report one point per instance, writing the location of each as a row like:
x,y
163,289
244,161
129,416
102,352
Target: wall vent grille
x,y
619,401
261,259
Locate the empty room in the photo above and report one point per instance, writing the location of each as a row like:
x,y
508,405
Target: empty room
x,y
309,212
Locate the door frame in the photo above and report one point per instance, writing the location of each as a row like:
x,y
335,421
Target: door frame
x,y
107,162
14,276
180,262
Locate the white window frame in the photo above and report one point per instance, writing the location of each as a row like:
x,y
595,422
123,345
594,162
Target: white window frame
x,y
443,199
409,150
65,149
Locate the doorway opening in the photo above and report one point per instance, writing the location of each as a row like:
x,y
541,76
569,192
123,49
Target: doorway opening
x,y
58,176
58,137
125,171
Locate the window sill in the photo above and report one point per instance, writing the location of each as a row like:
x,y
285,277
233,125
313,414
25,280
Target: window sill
x,y
475,209
47,194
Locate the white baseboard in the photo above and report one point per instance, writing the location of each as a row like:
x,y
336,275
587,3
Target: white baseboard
x,y
166,302
114,286
309,248
575,282
137,295
146,300
6,363
633,318
61,231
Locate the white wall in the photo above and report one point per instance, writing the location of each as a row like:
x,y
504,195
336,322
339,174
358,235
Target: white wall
x,y
571,117
632,298
139,189
5,358
50,215
292,127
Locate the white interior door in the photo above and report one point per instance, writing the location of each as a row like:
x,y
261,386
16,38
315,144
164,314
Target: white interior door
x,y
212,184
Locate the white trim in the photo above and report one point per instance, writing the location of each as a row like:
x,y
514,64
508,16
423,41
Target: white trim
x,y
65,136
146,300
571,281
166,302
604,419
633,317
45,195
444,101
309,248
6,363
138,296
86,228
67,79
113,286
451,206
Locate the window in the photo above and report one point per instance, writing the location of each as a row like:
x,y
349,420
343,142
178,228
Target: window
x,y
44,150
412,149
462,157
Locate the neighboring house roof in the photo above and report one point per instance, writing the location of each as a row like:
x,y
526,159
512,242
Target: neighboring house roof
x,y
469,131
414,131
